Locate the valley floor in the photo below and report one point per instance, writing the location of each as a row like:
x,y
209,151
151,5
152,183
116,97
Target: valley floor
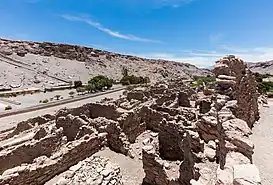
x,y
263,141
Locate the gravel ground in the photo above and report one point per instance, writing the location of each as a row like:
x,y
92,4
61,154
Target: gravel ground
x,y
131,169
263,140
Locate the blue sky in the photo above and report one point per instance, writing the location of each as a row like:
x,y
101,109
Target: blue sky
x,y
194,31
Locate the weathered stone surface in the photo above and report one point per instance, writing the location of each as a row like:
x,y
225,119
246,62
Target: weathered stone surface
x,y
210,153
236,131
92,170
30,123
225,176
58,162
153,167
28,151
205,106
194,182
183,99
245,91
70,125
187,171
246,174
116,138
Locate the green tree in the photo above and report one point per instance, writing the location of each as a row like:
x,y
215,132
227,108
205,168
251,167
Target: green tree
x,y
77,83
90,88
100,82
57,96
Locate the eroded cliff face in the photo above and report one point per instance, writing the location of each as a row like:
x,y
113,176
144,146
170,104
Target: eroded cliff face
x,y
188,137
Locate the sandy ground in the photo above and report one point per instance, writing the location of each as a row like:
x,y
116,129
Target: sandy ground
x,y
263,140
32,100
11,121
131,169
2,106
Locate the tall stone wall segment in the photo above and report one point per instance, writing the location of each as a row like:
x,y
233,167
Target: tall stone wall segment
x,y
190,136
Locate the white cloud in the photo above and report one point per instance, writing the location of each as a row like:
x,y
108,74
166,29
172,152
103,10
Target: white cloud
x,y
216,38
110,32
32,1
173,3
258,54
198,61
206,59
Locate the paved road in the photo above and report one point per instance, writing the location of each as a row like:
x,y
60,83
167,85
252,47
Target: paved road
x,y
60,102
263,140
11,121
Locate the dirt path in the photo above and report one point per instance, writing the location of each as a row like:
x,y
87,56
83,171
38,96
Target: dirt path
x,y
263,139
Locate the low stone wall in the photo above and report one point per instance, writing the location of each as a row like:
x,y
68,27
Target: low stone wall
x,y
45,168
28,151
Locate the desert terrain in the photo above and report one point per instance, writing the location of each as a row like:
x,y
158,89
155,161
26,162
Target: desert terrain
x,y
27,64
167,132
261,67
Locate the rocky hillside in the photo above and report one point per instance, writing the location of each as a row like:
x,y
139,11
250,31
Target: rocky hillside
x,y
24,64
262,67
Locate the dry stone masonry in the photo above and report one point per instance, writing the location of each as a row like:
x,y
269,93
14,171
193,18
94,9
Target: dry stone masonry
x,y
179,136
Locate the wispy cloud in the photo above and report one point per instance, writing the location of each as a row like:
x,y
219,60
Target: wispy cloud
x,y
257,54
205,59
203,62
108,31
32,1
215,38
173,3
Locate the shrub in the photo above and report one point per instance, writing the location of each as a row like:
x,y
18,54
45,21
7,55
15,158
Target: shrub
x,y
263,86
124,71
45,101
51,99
71,93
199,80
77,84
8,107
80,90
132,79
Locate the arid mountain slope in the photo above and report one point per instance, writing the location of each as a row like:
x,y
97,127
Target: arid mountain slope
x,y
262,67
24,64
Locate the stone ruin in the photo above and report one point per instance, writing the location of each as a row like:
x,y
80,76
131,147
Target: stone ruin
x,y
190,138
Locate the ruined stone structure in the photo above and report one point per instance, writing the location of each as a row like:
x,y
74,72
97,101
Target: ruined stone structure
x,y
191,138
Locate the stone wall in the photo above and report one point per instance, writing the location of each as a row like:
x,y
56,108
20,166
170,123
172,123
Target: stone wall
x,y
45,168
234,110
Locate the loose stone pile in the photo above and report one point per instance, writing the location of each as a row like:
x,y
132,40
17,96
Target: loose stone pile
x,y
188,137
93,170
